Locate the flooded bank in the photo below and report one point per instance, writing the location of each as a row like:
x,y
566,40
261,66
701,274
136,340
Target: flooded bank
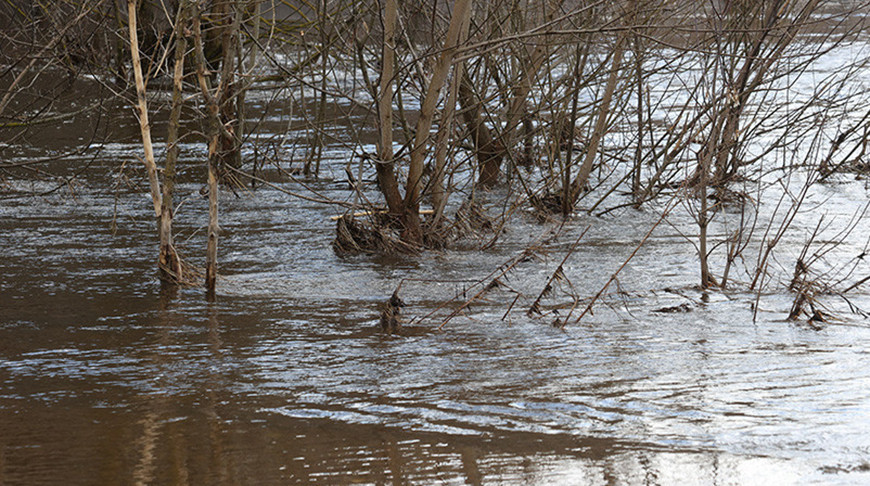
x,y
105,377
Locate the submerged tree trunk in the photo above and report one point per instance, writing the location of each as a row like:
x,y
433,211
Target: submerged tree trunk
x,y
601,123
219,132
213,228
567,206
213,135
413,232
227,97
385,166
407,208
170,264
705,161
639,59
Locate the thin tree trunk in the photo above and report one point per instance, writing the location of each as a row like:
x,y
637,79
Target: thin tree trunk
x,y
255,48
439,193
142,109
213,228
601,123
227,99
253,63
169,263
703,220
324,18
242,87
704,165
213,134
567,200
385,166
413,232
639,56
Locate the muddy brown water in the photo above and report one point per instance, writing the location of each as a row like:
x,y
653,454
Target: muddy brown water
x,y
107,378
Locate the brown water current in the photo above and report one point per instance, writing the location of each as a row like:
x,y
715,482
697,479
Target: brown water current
x,y
106,378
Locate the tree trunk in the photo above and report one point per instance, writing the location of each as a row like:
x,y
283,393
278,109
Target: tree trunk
x,y
142,110
439,193
490,152
413,232
705,162
601,123
385,166
213,228
231,154
216,137
170,264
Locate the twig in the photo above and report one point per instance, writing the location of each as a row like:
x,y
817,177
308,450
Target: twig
x,y
558,273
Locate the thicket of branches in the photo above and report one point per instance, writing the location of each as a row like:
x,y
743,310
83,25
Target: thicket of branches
x,y
558,105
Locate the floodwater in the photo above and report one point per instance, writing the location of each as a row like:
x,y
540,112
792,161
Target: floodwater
x,y
106,378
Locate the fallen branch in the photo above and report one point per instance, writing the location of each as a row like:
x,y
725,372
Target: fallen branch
x,y
558,274
360,214
643,240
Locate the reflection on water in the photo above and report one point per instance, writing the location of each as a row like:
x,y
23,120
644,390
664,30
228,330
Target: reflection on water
x,y
106,378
